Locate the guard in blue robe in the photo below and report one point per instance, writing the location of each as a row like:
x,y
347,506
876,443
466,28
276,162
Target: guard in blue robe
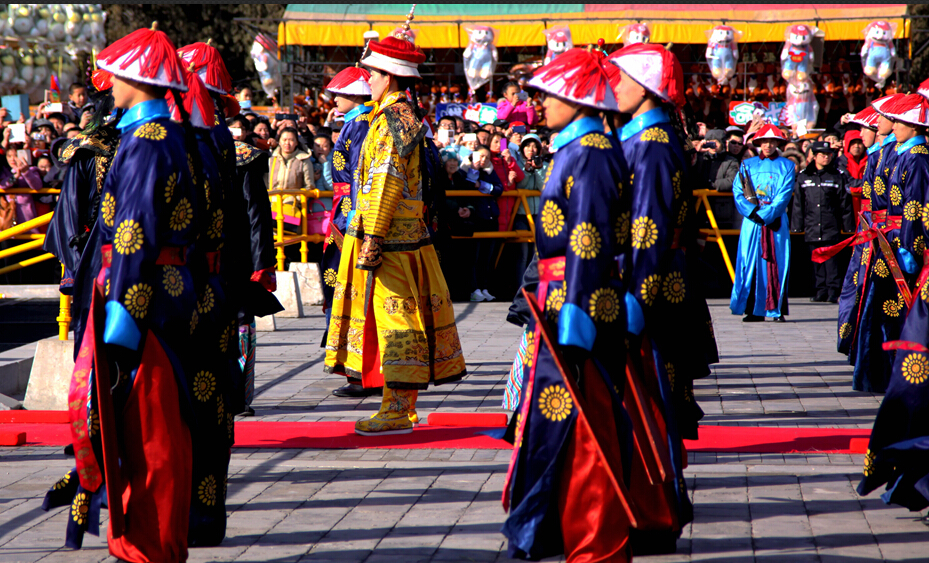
x,y
214,341
661,294
580,226
73,234
873,364
764,240
898,451
850,298
345,158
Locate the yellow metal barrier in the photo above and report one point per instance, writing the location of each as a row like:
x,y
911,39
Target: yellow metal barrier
x,y
21,232
714,233
277,203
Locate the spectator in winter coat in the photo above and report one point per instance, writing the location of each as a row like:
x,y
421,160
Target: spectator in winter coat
x,y
822,208
510,174
515,105
483,214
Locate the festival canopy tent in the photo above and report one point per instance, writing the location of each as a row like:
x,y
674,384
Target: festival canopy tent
x,y
521,24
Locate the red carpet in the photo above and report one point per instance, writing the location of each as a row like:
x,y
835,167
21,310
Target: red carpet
x,y
446,432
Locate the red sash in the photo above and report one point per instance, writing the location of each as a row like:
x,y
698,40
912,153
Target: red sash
x,y
891,222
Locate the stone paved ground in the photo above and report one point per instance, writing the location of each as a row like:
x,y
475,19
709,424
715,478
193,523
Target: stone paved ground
x,y
380,506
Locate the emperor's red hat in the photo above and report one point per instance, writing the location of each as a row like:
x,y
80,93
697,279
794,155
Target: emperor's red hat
x,y
577,75
396,55
145,55
924,88
352,81
208,63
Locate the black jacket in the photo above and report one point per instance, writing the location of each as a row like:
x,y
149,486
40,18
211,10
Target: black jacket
x,y
716,172
822,206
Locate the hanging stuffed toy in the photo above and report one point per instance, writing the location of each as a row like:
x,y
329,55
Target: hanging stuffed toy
x,y
634,33
22,19
797,54
802,107
722,52
878,52
558,40
264,55
480,56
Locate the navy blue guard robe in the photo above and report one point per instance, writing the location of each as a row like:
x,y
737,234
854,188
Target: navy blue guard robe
x,y
774,185
214,340
898,451
850,298
873,364
148,216
583,197
660,287
73,234
345,158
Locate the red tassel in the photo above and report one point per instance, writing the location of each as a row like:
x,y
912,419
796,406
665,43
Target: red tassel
x,y
151,44
582,71
206,56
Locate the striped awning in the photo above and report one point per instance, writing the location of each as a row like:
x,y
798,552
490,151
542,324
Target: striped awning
x,y
521,24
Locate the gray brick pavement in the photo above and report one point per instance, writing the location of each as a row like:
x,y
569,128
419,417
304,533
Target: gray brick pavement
x,y
444,505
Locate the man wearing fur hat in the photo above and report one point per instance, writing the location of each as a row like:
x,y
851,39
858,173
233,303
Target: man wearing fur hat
x,y
762,191
391,306
558,501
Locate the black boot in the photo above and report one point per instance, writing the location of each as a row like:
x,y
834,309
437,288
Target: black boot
x,y
356,391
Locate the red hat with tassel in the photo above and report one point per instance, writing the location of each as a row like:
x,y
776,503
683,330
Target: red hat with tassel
x,y
880,105
577,75
352,81
866,118
208,63
912,109
397,54
198,103
147,56
655,68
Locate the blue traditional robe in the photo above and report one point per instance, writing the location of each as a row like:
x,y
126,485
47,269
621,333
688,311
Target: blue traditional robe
x,y
148,216
345,158
660,293
879,315
73,234
898,451
774,184
580,234
214,339
850,298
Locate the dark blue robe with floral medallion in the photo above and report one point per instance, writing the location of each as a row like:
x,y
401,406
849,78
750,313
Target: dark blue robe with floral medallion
x,y
579,236
345,158
898,451
850,298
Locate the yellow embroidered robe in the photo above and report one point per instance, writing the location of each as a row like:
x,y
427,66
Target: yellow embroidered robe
x,y
391,300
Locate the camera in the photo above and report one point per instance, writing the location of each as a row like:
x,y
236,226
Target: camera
x,y
523,96
710,145
537,161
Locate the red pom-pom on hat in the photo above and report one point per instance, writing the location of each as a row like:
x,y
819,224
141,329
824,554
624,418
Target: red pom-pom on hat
x,y
101,79
145,55
880,105
208,63
866,118
577,75
352,81
198,103
655,68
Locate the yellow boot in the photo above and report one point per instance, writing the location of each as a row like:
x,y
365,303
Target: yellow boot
x,y
397,406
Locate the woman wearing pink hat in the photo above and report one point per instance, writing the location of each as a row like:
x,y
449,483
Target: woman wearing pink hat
x,y
762,191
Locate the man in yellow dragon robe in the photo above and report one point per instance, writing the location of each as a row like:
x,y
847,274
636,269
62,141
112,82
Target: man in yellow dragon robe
x,y
391,306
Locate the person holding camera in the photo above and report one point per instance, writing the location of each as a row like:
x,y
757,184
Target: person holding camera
x,y
515,105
